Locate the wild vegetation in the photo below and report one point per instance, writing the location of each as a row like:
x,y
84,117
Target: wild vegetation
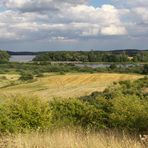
x,y
123,106
37,68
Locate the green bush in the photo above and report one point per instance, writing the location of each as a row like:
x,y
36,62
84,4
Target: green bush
x,y
40,75
130,113
113,66
23,114
76,113
145,69
62,73
125,105
26,76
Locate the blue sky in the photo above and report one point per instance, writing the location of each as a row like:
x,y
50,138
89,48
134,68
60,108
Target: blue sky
x,y
2,8
35,25
97,3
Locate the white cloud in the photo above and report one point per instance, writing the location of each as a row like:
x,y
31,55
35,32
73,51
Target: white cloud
x,y
40,5
75,22
142,12
113,30
71,20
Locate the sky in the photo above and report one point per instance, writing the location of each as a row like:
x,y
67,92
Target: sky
x,y
41,25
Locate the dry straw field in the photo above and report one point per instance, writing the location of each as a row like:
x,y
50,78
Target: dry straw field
x,y
63,86
70,139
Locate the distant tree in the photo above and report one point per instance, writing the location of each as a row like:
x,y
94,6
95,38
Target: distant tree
x,y
4,56
145,69
113,66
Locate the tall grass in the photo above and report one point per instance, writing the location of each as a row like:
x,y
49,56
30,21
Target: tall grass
x,y
70,139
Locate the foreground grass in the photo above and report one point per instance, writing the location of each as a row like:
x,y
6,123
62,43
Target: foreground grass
x,y
65,86
70,139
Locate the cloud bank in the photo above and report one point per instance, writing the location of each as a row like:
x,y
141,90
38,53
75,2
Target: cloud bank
x,y
77,24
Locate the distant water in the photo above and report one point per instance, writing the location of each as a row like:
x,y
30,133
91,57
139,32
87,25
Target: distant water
x,y
99,65
21,58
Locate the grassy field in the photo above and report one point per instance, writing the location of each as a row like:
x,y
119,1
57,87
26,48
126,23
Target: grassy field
x,y
64,86
70,139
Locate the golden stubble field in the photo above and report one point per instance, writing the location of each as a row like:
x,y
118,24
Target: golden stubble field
x,y
62,86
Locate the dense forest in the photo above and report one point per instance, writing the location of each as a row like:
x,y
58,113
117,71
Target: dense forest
x,y
94,56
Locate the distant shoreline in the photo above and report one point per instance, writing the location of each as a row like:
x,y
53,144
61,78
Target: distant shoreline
x,y
39,52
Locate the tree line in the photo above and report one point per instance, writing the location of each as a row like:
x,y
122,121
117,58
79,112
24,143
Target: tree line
x,y
93,56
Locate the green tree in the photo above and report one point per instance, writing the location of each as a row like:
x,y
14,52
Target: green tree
x,y
4,56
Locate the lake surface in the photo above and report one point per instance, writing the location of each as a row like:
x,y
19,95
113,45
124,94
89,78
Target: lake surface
x,y
21,58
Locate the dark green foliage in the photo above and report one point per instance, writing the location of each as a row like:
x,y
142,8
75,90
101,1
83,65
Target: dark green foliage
x,y
145,69
40,75
77,113
125,104
113,66
141,57
83,56
26,76
4,56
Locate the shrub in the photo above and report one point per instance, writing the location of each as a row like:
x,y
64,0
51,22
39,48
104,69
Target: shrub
x,y
40,75
26,76
76,113
62,73
125,105
113,66
130,113
145,69
23,114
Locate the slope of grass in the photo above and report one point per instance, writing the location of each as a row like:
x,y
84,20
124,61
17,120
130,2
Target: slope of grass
x,y
64,86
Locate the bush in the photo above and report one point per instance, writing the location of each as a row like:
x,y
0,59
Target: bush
x,y
145,69
113,66
62,73
76,113
130,113
40,75
24,114
125,105
26,76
